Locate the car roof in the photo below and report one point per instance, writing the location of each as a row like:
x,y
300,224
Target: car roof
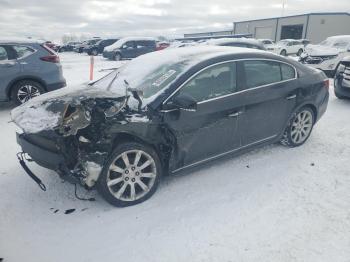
x,y
20,41
222,41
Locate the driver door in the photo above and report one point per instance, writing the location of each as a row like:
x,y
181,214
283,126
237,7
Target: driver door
x,y
212,129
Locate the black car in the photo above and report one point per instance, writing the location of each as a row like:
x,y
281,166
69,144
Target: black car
x,y
99,46
67,47
169,111
342,79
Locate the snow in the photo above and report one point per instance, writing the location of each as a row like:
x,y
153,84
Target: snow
x,y
35,119
272,204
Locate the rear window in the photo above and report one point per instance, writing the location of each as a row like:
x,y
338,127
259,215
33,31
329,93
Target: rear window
x,y
3,54
261,72
23,51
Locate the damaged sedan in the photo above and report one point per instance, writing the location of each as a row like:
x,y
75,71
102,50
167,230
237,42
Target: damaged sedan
x,y
168,111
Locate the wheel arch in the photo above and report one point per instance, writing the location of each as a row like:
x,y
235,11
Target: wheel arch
x,y
157,145
22,78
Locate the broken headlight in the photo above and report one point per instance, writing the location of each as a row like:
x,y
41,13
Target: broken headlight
x,y
74,118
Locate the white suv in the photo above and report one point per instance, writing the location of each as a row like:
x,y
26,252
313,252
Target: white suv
x,y
290,47
328,54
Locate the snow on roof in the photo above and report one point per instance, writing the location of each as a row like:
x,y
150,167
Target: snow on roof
x,y
339,37
123,40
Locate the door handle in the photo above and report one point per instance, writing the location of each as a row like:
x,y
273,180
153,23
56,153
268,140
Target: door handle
x,y
291,97
235,114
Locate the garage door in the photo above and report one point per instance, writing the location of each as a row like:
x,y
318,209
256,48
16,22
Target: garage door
x,y
264,32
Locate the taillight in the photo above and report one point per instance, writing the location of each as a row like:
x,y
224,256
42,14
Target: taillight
x,y
326,84
50,58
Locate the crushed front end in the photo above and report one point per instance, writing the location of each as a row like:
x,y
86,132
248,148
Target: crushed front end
x,y
67,133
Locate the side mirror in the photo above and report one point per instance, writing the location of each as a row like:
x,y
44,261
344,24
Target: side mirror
x,y
182,101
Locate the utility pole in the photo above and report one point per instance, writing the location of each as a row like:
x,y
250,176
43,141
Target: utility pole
x,y
283,6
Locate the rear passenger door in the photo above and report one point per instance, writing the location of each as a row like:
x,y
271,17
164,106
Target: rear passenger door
x,y
269,96
144,47
9,68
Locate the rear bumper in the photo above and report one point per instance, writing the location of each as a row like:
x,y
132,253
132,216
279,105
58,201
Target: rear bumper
x,y
41,156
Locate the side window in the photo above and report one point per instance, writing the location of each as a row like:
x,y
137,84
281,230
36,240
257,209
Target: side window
x,y
287,71
3,54
23,51
130,44
260,72
213,82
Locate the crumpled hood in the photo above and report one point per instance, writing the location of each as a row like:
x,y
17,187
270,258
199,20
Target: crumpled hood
x,y
58,108
318,50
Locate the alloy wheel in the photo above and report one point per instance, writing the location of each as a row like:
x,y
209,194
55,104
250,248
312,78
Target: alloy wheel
x,y
27,92
301,126
131,175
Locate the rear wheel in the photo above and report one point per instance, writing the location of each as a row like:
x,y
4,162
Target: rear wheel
x,y
25,90
131,175
299,128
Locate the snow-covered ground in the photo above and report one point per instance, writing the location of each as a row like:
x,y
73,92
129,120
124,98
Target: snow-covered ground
x,y
272,204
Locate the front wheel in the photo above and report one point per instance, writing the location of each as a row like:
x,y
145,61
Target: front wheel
x,y
94,52
130,176
283,52
299,128
117,57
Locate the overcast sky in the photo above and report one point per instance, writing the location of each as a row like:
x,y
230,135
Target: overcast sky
x,y
50,19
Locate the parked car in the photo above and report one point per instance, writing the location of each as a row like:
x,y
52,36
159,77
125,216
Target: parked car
x,y
99,46
80,48
130,47
162,45
237,42
271,46
28,69
51,45
328,54
342,79
160,113
182,43
68,46
291,47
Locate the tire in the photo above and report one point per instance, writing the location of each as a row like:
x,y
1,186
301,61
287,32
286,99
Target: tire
x,y
117,57
25,90
290,137
339,96
300,51
94,52
283,52
124,184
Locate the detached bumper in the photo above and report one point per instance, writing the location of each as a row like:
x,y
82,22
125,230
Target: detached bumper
x,y
42,156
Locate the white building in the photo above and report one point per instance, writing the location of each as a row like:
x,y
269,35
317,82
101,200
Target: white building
x,y
314,26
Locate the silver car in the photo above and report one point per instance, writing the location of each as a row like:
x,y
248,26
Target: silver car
x,y
28,69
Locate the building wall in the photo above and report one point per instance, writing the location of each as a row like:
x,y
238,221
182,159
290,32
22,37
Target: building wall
x,y
251,27
318,28
296,20
322,26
